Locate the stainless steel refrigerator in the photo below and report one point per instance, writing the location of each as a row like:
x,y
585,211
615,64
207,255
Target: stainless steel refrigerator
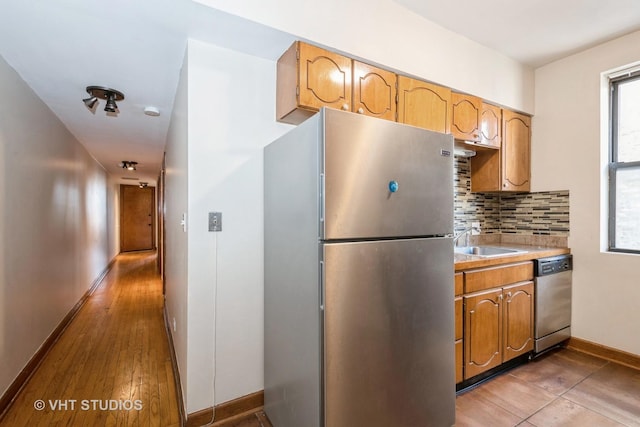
x,y
359,322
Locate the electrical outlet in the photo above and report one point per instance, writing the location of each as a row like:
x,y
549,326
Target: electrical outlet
x,y
475,228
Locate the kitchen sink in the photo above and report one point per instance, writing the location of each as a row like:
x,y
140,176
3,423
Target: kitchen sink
x,y
487,251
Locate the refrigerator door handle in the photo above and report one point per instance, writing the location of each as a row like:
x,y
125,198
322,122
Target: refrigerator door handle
x,y
321,205
321,287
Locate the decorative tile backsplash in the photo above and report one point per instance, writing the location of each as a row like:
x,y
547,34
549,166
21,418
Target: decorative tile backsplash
x,y
545,213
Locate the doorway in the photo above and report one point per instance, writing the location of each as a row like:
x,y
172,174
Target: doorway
x,y
137,218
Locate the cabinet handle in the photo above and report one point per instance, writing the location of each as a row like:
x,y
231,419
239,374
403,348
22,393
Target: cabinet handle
x,y
508,294
345,107
360,110
500,296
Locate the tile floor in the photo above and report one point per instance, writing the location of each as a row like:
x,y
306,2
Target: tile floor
x,y
563,388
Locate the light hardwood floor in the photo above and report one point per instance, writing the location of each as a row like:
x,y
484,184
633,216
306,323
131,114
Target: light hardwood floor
x,y
112,365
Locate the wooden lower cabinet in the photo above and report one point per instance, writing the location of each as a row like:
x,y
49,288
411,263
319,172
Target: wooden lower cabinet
x,y
458,286
482,332
459,362
498,326
518,320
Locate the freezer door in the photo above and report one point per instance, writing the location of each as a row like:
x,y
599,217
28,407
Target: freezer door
x,y
385,179
389,333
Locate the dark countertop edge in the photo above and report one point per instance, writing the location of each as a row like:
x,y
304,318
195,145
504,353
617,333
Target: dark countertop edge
x,y
467,262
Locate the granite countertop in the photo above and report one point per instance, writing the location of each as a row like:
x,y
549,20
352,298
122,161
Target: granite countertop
x,y
466,262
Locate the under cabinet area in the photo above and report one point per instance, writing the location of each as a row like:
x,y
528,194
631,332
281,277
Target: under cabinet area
x,y
494,317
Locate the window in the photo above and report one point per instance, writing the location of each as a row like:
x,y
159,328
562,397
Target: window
x,y
624,165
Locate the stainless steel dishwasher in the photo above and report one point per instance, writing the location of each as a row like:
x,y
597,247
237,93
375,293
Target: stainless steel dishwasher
x,y
552,301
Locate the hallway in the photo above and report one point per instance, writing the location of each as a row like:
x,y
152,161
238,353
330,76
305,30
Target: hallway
x,y
112,365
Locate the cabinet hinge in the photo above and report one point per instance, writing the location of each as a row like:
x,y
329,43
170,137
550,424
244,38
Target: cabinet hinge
x,y
297,90
298,54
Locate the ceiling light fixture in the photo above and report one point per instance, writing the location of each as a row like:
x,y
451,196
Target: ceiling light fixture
x,y
129,165
99,92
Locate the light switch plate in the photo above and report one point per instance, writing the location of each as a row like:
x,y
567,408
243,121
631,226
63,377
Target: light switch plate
x,y
215,221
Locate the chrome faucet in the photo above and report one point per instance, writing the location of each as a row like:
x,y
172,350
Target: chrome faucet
x,y
466,232
457,237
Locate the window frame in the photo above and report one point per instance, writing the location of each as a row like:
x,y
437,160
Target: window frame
x,y
614,165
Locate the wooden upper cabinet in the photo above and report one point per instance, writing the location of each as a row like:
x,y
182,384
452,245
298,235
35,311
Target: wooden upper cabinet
x,y
374,91
309,78
509,168
491,125
423,104
465,119
516,151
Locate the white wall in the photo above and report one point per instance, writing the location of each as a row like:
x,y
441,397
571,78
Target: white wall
x,y
231,118
175,262
386,33
53,223
569,152
113,216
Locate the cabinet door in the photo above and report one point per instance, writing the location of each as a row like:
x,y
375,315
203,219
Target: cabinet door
x,y
458,342
459,362
482,332
424,104
516,151
325,78
490,125
465,119
374,91
518,320
458,317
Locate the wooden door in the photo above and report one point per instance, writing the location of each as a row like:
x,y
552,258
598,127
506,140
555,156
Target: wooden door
x,y
516,151
424,104
374,91
482,332
136,218
325,78
465,118
518,320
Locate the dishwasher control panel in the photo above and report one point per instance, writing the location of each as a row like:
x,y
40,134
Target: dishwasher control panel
x,y
552,265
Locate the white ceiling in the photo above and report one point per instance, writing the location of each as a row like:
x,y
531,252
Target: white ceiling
x,y
137,46
534,32
59,47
